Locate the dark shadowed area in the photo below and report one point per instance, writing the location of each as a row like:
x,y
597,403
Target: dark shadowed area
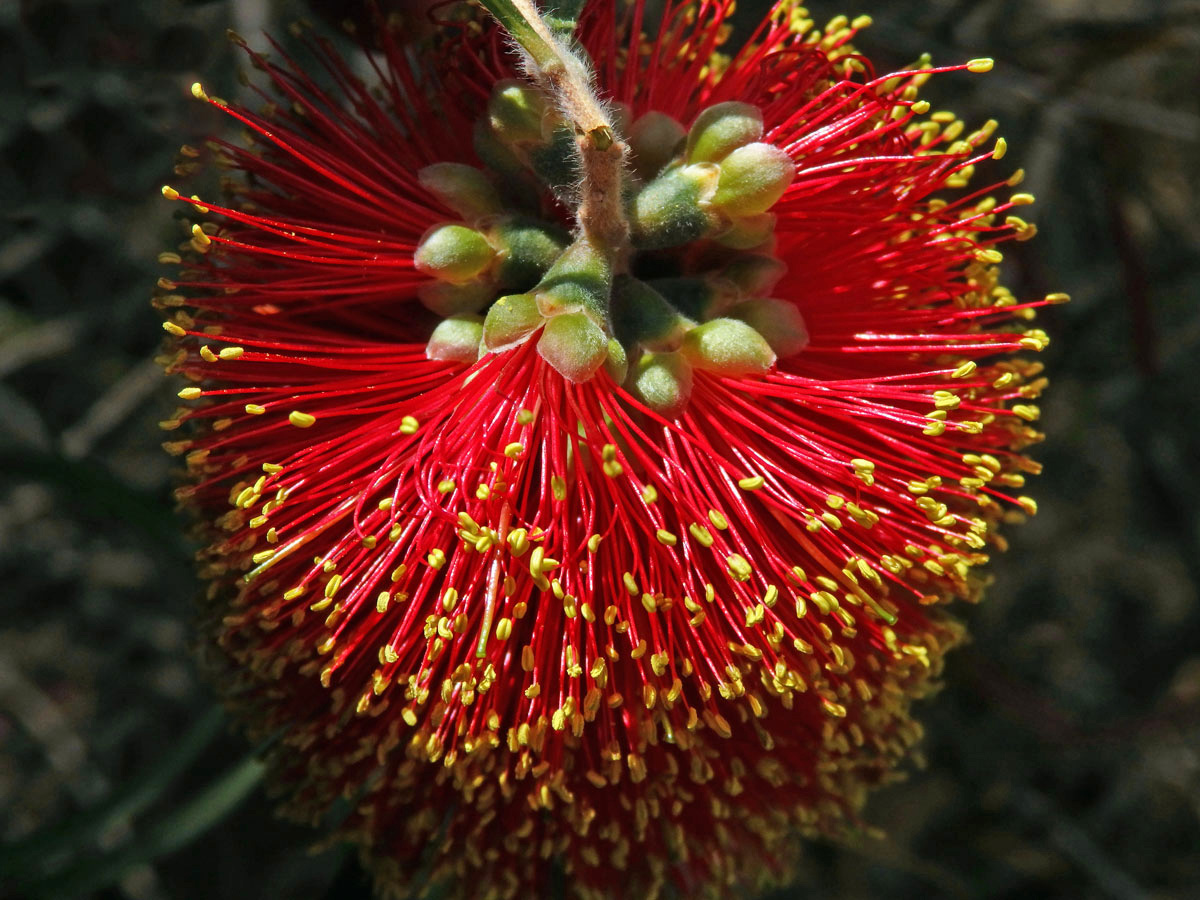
x,y
1062,758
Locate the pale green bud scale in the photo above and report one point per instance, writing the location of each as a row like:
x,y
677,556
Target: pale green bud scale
x,y
453,253
721,129
574,345
663,381
456,339
511,320
728,347
753,178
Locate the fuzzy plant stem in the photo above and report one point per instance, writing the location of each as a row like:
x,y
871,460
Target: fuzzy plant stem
x,y
565,78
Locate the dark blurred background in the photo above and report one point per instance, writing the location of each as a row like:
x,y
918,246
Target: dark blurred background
x,y
1063,756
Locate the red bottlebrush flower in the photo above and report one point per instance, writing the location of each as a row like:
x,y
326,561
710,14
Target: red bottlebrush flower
x,y
627,562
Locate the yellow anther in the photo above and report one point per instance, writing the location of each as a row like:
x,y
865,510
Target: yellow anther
x,y
630,583
207,355
262,556
253,409
301,419
169,192
409,425
1028,504
920,107
738,567
831,520
445,486
752,483
190,393
1001,148
514,450
524,417
436,558
199,238
593,543
979,66
518,541
172,328
198,91
966,370
701,534
1021,199
650,494
665,537
946,400
718,521
558,487
231,353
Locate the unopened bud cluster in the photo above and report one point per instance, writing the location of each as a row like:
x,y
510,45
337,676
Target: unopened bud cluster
x,y
691,291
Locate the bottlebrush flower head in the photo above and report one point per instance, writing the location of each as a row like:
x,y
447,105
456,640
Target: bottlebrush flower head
x,y
583,476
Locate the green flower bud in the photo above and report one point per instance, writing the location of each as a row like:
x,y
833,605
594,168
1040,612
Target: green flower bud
x,y
754,274
728,347
663,381
516,112
617,363
527,249
574,345
673,209
500,157
753,178
510,320
556,161
456,339
749,233
641,315
464,189
778,321
579,280
654,141
721,129
453,253
697,298
447,299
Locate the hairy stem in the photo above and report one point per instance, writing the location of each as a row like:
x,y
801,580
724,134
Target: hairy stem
x,y
565,78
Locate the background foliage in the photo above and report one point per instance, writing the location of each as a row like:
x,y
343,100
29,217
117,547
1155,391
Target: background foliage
x,y
1062,755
